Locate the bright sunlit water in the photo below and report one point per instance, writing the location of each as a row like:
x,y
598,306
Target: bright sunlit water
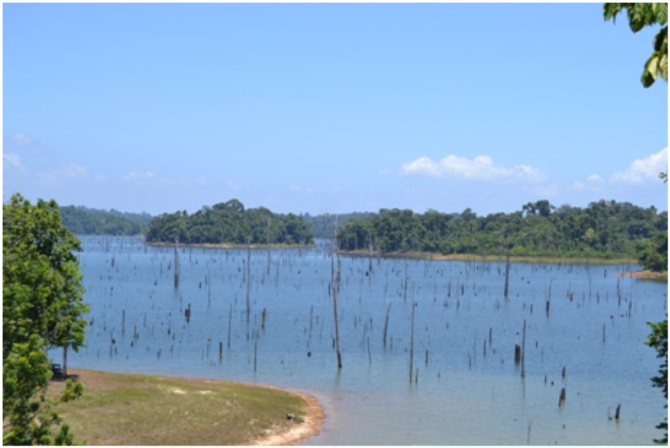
x,y
469,388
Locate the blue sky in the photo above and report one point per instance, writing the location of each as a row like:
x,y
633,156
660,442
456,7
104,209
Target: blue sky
x,y
329,107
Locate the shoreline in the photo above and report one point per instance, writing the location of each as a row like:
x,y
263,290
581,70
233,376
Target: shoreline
x,y
488,258
646,275
235,246
313,418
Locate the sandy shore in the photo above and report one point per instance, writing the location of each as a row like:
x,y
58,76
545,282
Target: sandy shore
x,y
300,432
649,275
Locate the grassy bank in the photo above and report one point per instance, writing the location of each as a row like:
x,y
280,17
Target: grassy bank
x,y
128,409
492,258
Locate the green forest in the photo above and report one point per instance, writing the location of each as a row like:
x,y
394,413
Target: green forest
x,y
324,224
90,221
230,223
604,229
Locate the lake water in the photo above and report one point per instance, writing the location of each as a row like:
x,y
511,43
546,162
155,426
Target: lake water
x,y
469,389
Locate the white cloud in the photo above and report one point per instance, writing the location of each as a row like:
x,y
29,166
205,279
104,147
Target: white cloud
x,y
479,168
298,189
232,185
422,166
578,186
12,158
134,175
72,172
643,169
75,170
594,178
384,172
22,139
100,179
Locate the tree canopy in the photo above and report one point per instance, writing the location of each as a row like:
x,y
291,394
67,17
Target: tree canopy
x,y
89,221
604,229
42,307
641,15
230,223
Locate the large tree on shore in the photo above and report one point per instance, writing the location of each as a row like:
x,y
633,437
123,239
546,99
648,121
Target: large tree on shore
x,y
42,308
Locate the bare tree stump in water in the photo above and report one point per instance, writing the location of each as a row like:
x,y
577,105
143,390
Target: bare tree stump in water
x,y
616,414
561,399
386,325
507,276
517,353
176,261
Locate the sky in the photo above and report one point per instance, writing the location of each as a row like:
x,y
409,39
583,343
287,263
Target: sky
x,y
313,108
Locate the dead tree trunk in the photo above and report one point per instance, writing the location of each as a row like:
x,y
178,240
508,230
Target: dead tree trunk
x,y
269,257
230,323
386,325
370,243
411,346
176,261
405,286
523,352
248,277
336,287
507,276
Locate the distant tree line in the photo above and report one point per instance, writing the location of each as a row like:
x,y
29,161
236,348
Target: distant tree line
x,y
605,229
90,221
323,225
230,223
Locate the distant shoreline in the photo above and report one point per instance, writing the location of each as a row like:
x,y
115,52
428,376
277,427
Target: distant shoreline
x,y
235,246
646,275
488,258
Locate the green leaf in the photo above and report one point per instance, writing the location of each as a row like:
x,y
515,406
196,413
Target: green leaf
x,y
663,65
661,39
652,65
610,10
661,10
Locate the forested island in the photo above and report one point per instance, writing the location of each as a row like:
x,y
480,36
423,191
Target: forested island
x,y
90,221
230,223
604,229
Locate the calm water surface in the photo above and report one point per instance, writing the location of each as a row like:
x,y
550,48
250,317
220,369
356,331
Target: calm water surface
x,y
469,389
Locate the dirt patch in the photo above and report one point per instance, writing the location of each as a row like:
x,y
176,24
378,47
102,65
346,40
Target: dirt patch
x,y
313,420
647,275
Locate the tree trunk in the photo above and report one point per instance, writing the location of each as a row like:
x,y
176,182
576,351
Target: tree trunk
x,y
65,360
336,287
248,277
411,349
176,261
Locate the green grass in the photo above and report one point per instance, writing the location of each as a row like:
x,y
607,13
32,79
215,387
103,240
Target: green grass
x,y
122,409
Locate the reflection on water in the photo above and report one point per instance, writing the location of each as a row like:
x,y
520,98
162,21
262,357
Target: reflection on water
x,y
469,389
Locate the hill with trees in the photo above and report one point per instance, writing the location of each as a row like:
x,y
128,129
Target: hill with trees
x,y
90,221
230,223
604,229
